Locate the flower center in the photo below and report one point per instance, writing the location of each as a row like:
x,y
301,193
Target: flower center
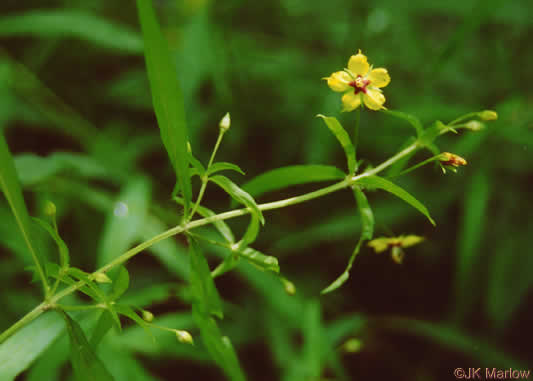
x,y
359,84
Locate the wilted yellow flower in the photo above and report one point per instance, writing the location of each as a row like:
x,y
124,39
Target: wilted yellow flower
x,y
396,244
451,160
360,82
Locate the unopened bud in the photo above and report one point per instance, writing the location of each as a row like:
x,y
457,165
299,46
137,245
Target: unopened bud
x,y
397,254
184,337
352,345
49,208
101,278
288,286
189,148
474,125
225,122
147,316
488,115
451,159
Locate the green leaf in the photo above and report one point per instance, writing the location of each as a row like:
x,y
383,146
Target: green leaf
x,y
239,195
64,257
381,183
220,225
120,284
251,233
125,220
280,178
260,260
19,351
203,288
34,169
313,349
104,323
412,120
95,292
71,23
229,263
11,188
367,232
218,346
87,366
198,168
223,166
167,97
344,139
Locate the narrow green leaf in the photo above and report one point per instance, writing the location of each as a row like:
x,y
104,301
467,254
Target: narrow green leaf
x,y
125,220
280,178
203,288
120,284
104,323
197,166
64,257
130,313
251,232
313,349
229,263
220,225
367,232
11,188
167,97
218,346
223,166
412,120
19,351
260,260
386,185
71,23
87,366
238,194
344,139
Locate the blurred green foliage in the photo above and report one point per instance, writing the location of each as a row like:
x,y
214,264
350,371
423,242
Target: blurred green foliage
x,y
76,110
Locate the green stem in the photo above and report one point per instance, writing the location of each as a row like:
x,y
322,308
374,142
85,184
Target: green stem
x,y
347,182
464,117
356,133
205,178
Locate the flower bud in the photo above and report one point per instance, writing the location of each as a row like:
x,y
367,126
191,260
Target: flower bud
x,y
288,286
147,316
189,148
488,115
474,125
451,159
225,122
352,345
184,337
49,208
101,278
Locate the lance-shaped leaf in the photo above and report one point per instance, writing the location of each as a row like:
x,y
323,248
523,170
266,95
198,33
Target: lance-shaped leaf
x,y
223,166
203,288
344,139
120,284
167,97
220,225
70,23
284,177
386,185
64,256
87,366
218,346
367,231
239,195
412,120
10,186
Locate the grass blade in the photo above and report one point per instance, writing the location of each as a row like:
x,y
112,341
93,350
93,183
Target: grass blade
x,y
166,96
10,186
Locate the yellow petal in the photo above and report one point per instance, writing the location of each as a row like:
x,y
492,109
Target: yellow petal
x,y
379,244
358,64
374,99
379,77
339,81
350,101
410,240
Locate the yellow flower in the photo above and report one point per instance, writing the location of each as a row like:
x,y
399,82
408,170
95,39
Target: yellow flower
x,y
452,160
360,82
396,244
